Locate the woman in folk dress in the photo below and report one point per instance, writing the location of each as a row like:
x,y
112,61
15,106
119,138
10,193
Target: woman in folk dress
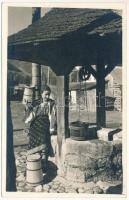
x,y
42,121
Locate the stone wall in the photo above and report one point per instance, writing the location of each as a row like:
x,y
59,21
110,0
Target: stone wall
x,y
93,160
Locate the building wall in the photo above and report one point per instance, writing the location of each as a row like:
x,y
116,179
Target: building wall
x,y
118,95
116,90
79,97
86,100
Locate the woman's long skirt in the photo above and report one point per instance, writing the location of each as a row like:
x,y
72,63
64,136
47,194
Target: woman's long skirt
x,y
39,133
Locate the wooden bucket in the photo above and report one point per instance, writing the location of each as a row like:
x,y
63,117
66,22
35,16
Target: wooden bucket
x,y
34,175
78,130
28,96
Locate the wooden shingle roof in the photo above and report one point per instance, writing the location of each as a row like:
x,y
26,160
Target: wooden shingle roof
x,y
67,37
61,21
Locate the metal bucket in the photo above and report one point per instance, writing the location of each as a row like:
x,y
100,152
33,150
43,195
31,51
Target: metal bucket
x,y
28,96
34,175
78,130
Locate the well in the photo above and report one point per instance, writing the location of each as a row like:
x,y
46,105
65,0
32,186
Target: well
x,y
92,160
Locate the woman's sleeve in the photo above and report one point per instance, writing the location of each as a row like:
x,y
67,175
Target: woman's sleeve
x,y
53,120
54,109
30,117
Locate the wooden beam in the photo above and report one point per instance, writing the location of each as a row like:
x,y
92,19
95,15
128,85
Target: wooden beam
x,y
62,106
100,95
62,116
36,68
92,71
66,94
36,14
108,70
48,75
36,79
10,159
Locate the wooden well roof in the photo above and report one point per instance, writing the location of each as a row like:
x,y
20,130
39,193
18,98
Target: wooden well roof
x,y
66,37
58,22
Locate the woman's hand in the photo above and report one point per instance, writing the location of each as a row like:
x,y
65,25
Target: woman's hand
x,y
30,118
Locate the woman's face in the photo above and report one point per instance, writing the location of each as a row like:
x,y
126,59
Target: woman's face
x,y
45,95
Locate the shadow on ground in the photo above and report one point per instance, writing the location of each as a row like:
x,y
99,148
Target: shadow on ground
x,y
51,172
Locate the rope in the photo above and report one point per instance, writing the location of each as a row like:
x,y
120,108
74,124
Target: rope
x,y
85,92
84,75
79,116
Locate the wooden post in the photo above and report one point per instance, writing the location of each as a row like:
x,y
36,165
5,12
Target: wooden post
x,y
36,13
100,95
36,69
62,117
66,94
48,75
10,159
36,79
77,76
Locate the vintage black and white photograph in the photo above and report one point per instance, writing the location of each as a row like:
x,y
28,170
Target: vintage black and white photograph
x,y
64,100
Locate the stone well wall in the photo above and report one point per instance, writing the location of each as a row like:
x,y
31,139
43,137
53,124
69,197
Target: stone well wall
x,y
98,159
92,160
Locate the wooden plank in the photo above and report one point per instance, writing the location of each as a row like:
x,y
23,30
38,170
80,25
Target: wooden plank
x,y
92,71
62,115
36,149
100,95
36,68
36,14
108,70
66,109
9,152
60,112
36,79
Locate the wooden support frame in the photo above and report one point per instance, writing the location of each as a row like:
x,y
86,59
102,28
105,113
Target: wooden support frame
x,y
66,95
108,70
62,117
100,94
36,79
63,105
36,68
92,71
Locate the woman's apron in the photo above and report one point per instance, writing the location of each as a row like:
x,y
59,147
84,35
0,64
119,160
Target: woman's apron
x,y
39,133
